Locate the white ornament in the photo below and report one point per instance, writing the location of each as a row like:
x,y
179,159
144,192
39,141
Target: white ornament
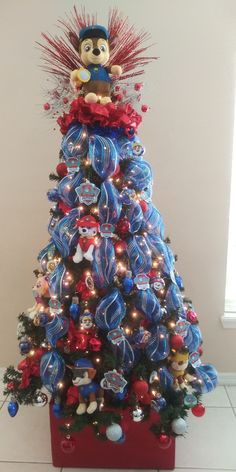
x,y
137,414
114,432
179,426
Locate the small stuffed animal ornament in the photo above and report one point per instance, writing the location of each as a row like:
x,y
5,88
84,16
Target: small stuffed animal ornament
x,y
40,291
178,365
84,374
93,48
88,228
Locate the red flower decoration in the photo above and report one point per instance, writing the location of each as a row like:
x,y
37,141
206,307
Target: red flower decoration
x,y
117,116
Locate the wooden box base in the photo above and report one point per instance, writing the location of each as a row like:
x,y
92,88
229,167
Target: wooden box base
x,y
140,449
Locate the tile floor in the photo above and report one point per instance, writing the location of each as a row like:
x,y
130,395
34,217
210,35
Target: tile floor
x,y
209,445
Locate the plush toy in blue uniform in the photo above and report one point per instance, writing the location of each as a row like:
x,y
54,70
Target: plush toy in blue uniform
x,y
89,390
94,79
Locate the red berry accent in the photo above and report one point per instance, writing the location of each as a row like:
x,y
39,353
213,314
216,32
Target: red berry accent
x,y
65,100
144,108
62,169
47,106
176,341
138,86
198,410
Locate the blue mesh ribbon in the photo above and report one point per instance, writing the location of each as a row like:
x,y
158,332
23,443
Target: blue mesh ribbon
x,y
134,214
152,221
103,155
104,263
58,283
75,142
193,339
147,301
139,255
110,310
56,328
207,378
52,369
67,186
158,347
65,235
45,254
138,172
109,205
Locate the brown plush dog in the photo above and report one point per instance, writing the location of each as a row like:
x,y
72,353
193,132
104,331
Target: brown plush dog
x,y
94,80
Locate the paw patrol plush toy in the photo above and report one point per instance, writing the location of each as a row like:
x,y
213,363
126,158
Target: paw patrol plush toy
x,y
93,48
84,374
178,365
88,228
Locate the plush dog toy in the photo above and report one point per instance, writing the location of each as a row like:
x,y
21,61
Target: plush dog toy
x,y
88,392
40,292
88,227
178,365
93,48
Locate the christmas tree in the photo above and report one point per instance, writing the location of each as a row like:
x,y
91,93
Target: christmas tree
x,y
111,328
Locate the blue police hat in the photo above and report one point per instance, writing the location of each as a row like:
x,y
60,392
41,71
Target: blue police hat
x,y
93,31
83,364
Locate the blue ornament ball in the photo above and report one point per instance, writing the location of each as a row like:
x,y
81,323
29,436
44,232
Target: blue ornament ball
x,y
13,407
25,346
161,402
75,312
128,284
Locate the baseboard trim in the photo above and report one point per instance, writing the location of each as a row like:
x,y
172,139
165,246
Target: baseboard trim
x,y
227,378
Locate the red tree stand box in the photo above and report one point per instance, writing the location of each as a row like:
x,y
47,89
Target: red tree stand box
x,y
140,450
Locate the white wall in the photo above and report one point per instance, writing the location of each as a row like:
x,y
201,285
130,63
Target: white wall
x,y
187,133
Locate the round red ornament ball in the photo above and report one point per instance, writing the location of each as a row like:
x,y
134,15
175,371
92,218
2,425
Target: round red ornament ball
x,y
192,316
62,169
140,388
123,227
176,341
144,205
164,440
68,444
198,410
